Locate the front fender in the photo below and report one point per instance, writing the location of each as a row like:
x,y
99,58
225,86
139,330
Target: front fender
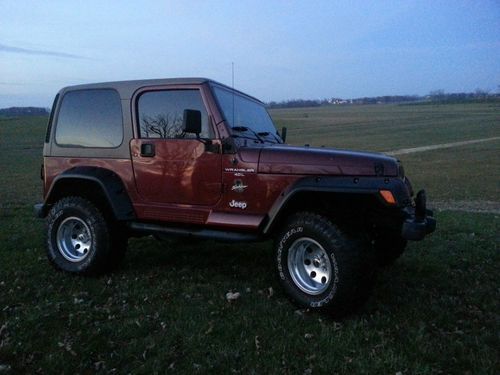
x,y
351,185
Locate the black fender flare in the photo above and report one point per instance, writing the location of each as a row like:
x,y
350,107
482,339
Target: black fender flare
x,y
109,182
350,185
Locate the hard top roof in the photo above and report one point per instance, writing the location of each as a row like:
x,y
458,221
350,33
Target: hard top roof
x,y
127,88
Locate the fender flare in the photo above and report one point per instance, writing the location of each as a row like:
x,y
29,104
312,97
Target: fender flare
x,y
347,185
109,182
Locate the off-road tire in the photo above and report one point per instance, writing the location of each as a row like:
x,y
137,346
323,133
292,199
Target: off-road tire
x,y
344,252
388,248
79,238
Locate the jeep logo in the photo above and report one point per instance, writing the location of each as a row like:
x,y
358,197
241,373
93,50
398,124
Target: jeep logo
x,y
236,204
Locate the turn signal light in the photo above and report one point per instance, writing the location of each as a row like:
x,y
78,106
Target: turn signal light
x,y
388,197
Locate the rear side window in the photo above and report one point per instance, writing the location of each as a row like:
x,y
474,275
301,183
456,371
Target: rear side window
x,y
90,118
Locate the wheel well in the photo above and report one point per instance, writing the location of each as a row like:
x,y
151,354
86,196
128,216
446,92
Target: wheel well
x,y
351,209
84,188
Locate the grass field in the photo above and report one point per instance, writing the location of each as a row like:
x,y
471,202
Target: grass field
x,y
467,173
388,127
436,311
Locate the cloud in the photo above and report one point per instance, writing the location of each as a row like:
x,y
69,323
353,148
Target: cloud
x,y
5,48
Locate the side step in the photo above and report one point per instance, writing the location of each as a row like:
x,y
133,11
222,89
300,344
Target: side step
x,y
212,234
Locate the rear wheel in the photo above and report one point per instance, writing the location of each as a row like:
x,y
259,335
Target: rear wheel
x,y
322,266
79,238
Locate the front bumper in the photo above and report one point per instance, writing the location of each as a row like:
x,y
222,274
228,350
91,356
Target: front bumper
x,y
419,221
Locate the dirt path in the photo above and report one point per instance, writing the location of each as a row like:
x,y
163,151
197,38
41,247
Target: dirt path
x,y
490,207
438,146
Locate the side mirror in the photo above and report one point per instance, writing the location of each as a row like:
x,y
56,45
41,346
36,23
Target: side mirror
x,y
283,134
191,121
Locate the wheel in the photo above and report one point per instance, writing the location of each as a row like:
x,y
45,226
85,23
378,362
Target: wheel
x,y
388,248
323,267
79,238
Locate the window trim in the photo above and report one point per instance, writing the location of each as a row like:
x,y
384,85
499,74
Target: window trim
x,y
52,117
214,86
60,105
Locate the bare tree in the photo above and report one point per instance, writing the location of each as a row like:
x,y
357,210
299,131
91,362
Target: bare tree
x,y
437,93
162,126
481,93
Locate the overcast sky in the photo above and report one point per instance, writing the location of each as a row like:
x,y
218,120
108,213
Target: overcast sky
x,y
281,49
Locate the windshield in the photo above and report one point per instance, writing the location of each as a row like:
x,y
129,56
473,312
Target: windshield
x,y
245,115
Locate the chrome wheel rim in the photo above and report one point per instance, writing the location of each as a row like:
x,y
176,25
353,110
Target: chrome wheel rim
x,y
309,266
74,239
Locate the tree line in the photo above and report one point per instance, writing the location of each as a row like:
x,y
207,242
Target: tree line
x,y
24,111
434,97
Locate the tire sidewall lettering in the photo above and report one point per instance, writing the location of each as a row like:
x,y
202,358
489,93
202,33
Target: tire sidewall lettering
x,y
281,244
333,288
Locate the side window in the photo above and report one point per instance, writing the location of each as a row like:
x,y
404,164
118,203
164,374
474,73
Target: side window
x,y
90,118
160,113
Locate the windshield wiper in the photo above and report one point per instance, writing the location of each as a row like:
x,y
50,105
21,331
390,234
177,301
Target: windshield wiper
x,y
245,137
265,134
246,129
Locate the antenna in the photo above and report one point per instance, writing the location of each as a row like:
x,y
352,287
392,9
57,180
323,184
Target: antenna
x,y
232,84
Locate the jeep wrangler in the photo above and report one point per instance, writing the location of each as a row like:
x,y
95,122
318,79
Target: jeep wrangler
x,y
192,157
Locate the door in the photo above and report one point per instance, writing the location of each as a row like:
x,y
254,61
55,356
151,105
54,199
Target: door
x,y
169,165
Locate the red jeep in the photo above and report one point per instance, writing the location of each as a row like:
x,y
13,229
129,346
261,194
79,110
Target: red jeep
x,y
192,157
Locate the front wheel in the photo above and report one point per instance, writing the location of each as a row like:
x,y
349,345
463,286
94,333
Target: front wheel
x,y
323,267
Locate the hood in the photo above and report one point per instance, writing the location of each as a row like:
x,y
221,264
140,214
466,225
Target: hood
x,y
283,159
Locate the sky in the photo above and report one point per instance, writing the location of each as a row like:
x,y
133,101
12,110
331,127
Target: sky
x,y
281,50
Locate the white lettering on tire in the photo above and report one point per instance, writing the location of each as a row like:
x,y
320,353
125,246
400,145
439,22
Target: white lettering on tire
x,y
287,235
330,295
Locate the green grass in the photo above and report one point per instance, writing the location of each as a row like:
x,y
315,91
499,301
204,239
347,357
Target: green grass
x,y
388,127
164,310
465,173
459,173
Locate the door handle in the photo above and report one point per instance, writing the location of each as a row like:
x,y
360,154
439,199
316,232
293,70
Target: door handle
x,y
148,150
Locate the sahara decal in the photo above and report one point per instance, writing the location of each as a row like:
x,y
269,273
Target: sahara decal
x,y
239,186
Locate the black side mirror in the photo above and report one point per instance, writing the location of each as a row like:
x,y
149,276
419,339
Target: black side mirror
x,y
191,122
283,134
